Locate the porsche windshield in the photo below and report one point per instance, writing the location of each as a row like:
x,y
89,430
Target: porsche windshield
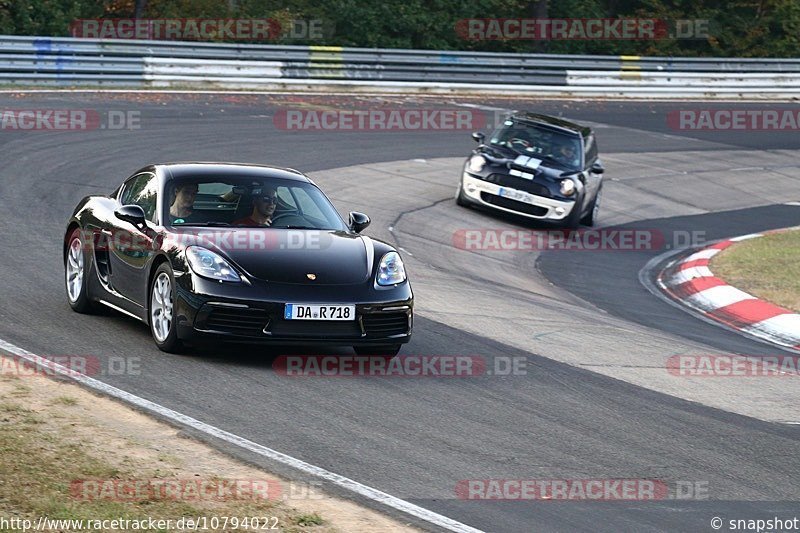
x,y
542,143
244,202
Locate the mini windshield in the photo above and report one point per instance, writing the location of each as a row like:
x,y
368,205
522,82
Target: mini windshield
x,y
539,142
245,202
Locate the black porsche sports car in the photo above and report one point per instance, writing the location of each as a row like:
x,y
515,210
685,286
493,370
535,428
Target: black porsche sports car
x,y
538,167
238,252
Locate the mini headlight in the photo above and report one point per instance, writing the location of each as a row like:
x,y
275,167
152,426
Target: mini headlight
x,y
391,270
567,187
476,163
208,264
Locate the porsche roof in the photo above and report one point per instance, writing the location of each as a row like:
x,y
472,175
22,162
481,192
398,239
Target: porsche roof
x,y
198,170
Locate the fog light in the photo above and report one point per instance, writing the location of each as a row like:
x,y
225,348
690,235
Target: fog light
x,y
559,211
471,187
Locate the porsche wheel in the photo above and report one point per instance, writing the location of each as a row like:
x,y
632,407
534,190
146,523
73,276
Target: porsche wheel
x,y
162,310
76,274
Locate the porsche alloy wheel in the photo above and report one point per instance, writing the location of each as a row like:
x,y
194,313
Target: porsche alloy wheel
x,y
75,275
162,306
74,270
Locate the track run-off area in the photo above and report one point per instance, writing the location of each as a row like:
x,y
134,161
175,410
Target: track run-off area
x,y
596,401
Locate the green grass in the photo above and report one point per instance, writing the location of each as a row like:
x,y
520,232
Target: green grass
x,y
65,400
39,466
39,459
767,267
309,520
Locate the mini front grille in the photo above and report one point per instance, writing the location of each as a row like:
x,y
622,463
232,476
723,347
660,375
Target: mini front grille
x,y
507,203
385,324
521,184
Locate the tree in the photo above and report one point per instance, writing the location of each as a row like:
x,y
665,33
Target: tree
x,y
138,11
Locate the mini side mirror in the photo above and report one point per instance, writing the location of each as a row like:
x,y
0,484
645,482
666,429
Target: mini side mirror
x,y
598,168
479,137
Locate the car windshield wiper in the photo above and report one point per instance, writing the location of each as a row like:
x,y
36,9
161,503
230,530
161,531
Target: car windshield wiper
x,y
295,227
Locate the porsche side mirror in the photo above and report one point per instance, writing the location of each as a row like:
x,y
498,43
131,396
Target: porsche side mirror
x,y
358,221
479,137
598,168
131,213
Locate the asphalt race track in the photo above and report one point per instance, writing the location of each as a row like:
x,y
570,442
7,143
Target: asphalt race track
x,y
596,401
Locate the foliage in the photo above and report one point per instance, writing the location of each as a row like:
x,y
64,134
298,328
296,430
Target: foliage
x,y
742,28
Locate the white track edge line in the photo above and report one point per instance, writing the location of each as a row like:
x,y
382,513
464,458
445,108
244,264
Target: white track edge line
x,y
339,480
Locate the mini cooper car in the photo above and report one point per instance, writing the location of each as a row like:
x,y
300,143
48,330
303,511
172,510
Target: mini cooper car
x,y
538,167
237,252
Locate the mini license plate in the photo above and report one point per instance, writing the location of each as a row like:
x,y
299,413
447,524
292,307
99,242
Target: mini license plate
x,y
520,196
319,312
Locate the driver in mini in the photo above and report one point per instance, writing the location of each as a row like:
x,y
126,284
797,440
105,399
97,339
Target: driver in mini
x,y
566,154
263,208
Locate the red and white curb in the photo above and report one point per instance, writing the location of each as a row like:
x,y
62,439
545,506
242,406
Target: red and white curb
x,y
691,282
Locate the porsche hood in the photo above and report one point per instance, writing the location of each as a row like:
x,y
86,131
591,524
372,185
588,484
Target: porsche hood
x,y
318,257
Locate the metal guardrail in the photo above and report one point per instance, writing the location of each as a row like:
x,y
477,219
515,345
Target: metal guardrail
x,y
79,62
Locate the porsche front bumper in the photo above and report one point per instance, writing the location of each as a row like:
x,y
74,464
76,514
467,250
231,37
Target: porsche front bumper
x,y
255,313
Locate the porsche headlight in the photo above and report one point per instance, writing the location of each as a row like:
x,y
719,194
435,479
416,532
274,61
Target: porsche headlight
x,y
567,187
476,163
391,270
211,265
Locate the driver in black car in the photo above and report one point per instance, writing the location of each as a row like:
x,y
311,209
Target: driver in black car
x,y
264,205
